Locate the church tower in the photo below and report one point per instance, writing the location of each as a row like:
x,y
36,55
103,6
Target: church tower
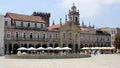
x,y
74,15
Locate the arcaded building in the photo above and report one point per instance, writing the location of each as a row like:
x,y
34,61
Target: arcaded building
x,y
34,31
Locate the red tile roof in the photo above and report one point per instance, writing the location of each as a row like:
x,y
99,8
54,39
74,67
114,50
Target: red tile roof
x,y
21,17
87,28
57,26
54,27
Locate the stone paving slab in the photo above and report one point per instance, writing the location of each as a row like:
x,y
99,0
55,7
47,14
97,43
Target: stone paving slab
x,y
98,61
68,56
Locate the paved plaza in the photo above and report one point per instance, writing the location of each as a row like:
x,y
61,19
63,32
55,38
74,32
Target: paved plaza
x,y
98,61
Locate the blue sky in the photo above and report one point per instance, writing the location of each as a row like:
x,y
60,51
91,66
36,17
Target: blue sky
x,y
101,13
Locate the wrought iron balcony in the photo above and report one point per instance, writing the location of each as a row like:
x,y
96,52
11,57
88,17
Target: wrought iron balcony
x,y
33,39
29,28
93,41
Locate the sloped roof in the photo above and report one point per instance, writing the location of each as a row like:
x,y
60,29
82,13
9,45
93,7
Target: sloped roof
x,y
57,26
21,17
54,27
87,28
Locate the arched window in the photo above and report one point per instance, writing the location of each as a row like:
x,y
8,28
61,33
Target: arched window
x,y
76,19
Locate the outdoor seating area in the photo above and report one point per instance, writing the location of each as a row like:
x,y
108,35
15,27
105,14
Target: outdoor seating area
x,y
41,50
46,53
104,48
99,50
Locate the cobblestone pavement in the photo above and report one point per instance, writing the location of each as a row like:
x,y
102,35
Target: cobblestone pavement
x,y
98,61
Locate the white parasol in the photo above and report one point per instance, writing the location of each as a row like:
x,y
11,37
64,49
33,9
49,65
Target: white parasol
x,y
22,48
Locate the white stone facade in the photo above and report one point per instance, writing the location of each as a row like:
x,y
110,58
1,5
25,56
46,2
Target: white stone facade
x,y
112,32
1,35
71,34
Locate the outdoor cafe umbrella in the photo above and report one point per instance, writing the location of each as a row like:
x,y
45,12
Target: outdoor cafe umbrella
x,y
104,48
40,48
66,48
22,48
31,48
93,48
58,48
107,48
85,48
112,48
49,48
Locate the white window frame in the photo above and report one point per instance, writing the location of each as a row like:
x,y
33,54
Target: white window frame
x,y
8,32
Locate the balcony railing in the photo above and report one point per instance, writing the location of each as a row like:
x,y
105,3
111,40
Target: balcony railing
x,y
32,28
34,39
85,41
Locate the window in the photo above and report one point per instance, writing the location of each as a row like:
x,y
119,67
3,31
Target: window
x,y
35,25
28,24
43,36
64,35
38,35
97,39
50,36
76,19
6,23
56,36
21,24
8,35
24,36
31,36
41,25
15,23
16,34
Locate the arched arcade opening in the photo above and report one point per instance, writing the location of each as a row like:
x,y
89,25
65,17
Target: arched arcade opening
x,y
15,47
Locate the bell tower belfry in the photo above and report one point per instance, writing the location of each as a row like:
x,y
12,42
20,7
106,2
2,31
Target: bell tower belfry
x,y
74,15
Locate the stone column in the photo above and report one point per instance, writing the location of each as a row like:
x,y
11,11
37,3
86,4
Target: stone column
x,y
11,51
27,45
7,48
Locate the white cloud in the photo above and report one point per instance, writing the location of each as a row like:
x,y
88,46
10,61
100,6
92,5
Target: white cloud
x,y
88,8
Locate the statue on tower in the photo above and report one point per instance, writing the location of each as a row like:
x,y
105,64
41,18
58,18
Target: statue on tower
x,y
73,7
